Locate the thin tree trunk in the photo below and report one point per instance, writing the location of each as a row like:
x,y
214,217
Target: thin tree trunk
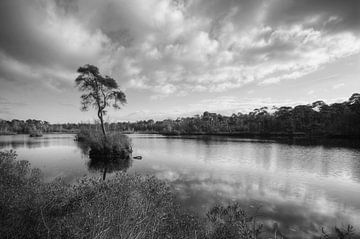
x,y
102,123
104,174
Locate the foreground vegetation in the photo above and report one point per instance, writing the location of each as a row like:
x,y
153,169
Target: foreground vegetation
x,y
125,206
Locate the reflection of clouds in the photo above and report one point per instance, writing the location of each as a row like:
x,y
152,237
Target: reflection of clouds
x,y
55,154
30,144
301,208
287,205
170,176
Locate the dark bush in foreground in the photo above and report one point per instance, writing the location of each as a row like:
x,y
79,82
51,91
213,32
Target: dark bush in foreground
x,y
124,207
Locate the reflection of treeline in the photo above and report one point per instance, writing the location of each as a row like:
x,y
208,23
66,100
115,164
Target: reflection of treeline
x,y
318,119
126,206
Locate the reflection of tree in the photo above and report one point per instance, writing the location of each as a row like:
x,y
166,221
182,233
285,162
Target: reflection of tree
x,y
107,162
83,147
24,143
104,161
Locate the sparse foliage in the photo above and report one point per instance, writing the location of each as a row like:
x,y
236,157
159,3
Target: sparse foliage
x,y
340,233
101,92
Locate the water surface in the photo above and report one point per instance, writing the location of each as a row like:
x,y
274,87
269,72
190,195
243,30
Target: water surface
x,y
302,188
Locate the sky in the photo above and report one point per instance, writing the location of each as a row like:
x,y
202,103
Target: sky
x,y
177,58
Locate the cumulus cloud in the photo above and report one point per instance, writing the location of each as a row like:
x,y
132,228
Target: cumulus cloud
x,y
333,16
175,47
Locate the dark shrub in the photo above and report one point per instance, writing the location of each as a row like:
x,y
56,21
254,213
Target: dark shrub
x,y
123,207
114,146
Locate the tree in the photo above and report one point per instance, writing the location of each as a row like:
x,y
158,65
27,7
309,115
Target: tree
x,y
99,90
354,103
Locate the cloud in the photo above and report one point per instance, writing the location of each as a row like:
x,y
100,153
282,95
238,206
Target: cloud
x,y
215,53
230,104
337,86
310,92
24,74
225,105
175,47
6,106
335,15
42,44
35,32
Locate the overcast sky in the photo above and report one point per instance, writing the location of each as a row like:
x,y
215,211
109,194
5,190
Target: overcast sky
x,y
177,58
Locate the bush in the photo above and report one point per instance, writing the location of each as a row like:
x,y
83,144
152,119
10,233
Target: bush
x,y
123,207
114,146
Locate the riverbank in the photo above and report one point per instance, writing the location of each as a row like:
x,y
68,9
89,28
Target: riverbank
x,y
44,133
298,138
264,135
8,133
292,139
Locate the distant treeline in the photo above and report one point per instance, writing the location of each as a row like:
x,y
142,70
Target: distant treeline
x,y
16,126
316,119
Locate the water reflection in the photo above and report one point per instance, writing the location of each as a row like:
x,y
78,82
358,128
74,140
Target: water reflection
x,y
105,162
300,187
24,141
301,209
108,165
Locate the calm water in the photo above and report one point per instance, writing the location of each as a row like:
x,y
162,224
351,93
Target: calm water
x,y
302,188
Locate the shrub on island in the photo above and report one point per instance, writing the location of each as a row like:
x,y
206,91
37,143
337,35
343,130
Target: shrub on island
x,y
114,146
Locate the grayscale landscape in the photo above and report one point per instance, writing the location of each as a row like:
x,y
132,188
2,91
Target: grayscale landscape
x,y
201,119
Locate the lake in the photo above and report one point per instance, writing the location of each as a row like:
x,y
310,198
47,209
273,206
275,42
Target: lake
x,y
301,188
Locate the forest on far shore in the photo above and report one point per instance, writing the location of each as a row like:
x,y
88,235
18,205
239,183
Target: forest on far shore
x,y
315,119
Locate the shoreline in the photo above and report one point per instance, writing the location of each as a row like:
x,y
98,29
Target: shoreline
x,y
299,135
